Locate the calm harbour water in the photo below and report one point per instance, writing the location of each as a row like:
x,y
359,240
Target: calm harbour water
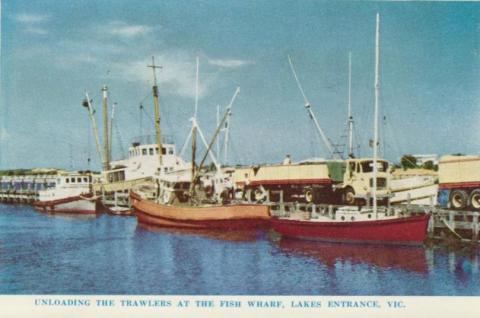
x,y
47,254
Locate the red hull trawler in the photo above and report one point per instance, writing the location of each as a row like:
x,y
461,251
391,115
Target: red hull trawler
x,y
350,224
231,216
397,230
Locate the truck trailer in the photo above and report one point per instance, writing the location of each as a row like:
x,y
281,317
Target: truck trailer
x,y
326,181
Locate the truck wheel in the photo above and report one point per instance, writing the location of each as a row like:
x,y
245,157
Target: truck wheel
x,y
474,199
309,195
458,199
258,194
348,196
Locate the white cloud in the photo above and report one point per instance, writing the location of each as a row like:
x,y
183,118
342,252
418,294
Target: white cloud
x,y
176,76
125,30
27,18
4,135
35,30
229,63
32,23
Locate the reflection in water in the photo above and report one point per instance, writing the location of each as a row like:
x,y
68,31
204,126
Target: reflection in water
x,y
245,235
409,258
68,216
52,254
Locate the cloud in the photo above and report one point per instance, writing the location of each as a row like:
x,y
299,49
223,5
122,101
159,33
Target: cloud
x,y
122,29
4,135
229,63
33,23
27,18
176,76
35,30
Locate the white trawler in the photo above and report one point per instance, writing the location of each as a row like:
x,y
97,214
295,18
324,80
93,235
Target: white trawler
x,y
70,194
140,166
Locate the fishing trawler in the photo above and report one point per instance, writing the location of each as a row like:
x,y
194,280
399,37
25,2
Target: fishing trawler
x,y
70,194
359,224
141,164
195,198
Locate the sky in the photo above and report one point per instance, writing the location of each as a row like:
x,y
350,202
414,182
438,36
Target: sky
x,y
53,51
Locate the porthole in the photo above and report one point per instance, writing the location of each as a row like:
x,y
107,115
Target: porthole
x,y
342,218
369,216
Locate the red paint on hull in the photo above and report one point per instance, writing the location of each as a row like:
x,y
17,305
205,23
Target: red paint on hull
x,y
406,230
64,211
51,206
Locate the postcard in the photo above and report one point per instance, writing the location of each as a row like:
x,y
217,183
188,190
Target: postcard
x,y
239,158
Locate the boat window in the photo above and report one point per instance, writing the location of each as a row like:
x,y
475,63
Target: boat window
x,y
170,150
72,180
150,151
358,167
144,151
79,179
164,151
165,169
85,179
67,180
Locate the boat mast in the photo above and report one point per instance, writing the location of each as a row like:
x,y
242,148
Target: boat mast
x,y
156,110
208,151
308,107
218,122
106,147
225,140
87,103
350,117
375,119
194,133
112,117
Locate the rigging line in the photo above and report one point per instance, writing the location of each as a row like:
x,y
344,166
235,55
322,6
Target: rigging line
x,y
308,106
119,137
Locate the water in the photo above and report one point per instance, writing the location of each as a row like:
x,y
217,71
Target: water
x,y
44,254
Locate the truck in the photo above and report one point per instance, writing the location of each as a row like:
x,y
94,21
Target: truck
x,y
322,181
459,182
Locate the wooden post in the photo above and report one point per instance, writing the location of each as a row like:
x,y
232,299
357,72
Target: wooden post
x,y
475,227
451,219
431,227
281,198
330,211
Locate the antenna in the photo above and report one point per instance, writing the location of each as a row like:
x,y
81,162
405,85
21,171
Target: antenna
x,y
308,107
350,117
375,117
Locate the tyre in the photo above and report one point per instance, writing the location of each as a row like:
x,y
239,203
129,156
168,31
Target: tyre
x,y
348,196
309,195
474,199
458,199
258,194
